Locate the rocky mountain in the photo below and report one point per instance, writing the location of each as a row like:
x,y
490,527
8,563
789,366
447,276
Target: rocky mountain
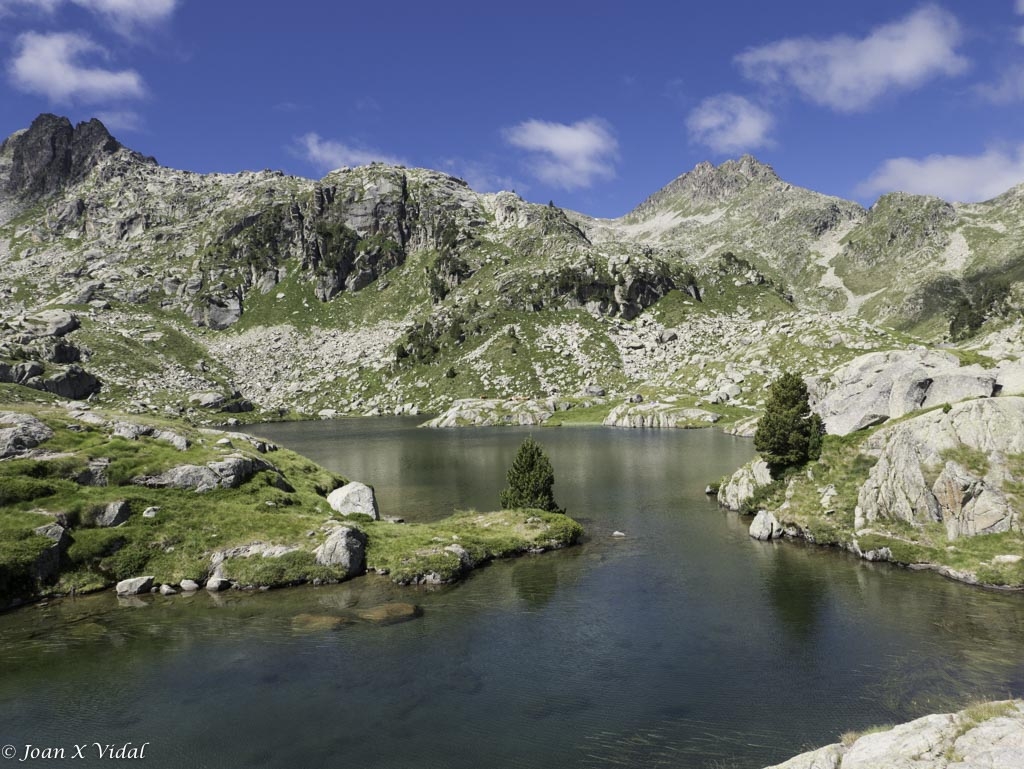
x,y
385,289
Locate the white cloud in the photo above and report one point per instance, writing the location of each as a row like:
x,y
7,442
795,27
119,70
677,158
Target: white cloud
x,y
1009,88
567,156
52,65
1020,35
967,178
327,154
728,124
1020,7
127,15
850,74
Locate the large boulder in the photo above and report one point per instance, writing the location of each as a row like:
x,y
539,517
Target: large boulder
x,y
949,467
344,547
228,473
134,586
51,323
20,433
880,386
765,526
354,497
74,384
743,483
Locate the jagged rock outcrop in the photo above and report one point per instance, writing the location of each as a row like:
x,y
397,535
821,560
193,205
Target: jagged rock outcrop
x,y
988,736
949,467
52,154
880,386
743,483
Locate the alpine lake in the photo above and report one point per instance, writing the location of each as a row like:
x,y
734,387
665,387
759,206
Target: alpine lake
x,y
683,644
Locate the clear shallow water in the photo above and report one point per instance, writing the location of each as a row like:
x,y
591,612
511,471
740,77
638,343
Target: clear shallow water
x,y
686,644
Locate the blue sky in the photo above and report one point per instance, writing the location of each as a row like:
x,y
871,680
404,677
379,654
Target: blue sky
x,y
594,105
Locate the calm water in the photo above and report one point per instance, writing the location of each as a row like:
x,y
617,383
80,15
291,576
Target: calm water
x,y
686,644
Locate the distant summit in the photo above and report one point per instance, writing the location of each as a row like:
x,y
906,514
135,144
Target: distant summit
x,y
710,184
51,155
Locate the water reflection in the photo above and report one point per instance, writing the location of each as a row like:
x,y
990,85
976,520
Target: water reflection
x,y
682,644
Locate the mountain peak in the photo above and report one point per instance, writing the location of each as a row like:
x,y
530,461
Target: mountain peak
x,y
51,154
708,183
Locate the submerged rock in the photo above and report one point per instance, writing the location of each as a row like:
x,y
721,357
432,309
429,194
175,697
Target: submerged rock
x,y
391,613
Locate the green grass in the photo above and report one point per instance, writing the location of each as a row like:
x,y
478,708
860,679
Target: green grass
x,y
409,551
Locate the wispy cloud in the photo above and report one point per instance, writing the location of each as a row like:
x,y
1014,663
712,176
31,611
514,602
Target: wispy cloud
x,y
569,156
728,124
127,16
46,6
1007,90
328,154
121,121
124,16
53,65
849,74
966,178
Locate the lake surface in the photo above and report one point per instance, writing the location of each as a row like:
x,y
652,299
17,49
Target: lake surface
x,y
684,644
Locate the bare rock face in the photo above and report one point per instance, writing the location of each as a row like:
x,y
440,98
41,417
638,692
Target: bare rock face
x,y
743,483
880,386
20,433
921,473
354,497
655,414
989,736
344,547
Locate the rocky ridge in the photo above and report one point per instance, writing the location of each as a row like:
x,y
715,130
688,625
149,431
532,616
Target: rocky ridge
x,y
383,289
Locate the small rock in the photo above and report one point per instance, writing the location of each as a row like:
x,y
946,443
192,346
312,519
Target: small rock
x,y
618,533
150,512
354,497
114,514
167,590
189,585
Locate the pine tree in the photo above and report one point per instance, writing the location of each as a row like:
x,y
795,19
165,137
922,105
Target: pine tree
x,y
788,434
530,480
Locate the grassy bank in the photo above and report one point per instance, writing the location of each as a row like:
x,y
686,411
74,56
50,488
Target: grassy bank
x,y
92,464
